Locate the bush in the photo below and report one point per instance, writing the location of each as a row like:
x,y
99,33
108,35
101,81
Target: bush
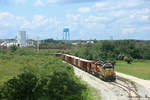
x,y
128,59
20,88
69,89
13,48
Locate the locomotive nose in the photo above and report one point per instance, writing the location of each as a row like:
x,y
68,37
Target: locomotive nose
x,y
110,72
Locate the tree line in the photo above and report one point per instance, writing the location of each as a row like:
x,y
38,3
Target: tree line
x,y
115,50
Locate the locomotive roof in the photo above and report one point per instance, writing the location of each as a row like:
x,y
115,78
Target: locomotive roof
x,y
79,58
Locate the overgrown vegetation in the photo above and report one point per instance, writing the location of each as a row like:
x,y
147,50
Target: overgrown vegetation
x,y
28,75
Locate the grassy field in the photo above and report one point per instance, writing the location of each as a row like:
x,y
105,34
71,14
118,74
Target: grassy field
x,y
12,65
139,68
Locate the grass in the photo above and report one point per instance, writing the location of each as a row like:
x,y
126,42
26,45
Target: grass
x,y
12,65
139,68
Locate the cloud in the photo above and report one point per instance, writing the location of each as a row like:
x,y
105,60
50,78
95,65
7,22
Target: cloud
x,y
127,30
2,34
37,21
119,4
146,28
97,19
39,3
72,1
10,2
20,1
145,18
53,1
39,25
9,20
84,10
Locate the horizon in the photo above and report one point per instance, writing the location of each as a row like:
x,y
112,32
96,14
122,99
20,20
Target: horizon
x,y
96,19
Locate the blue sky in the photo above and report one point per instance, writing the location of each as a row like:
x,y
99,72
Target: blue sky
x,y
87,19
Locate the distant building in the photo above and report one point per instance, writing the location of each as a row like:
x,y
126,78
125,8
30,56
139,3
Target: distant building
x,y
8,44
22,37
90,41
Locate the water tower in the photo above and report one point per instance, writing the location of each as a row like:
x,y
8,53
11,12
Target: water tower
x,y
66,34
22,38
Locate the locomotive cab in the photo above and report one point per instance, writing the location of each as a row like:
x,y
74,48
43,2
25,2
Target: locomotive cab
x,y
108,72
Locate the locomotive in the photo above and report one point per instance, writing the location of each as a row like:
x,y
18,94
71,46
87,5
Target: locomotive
x,y
104,71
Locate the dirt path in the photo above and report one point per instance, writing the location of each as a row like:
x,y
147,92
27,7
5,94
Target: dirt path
x,y
119,90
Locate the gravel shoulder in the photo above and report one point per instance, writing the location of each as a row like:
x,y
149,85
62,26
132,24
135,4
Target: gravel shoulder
x,y
142,82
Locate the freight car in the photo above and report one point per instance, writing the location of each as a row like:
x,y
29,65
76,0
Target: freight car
x,y
99,69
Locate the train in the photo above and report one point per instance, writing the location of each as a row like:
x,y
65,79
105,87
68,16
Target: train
x,y
104,71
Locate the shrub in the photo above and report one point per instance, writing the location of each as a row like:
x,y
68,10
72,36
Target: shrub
x,y
20,87
128,59
69,89
13,48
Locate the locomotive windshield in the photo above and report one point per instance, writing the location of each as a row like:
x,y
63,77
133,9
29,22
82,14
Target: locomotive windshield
x,y
108,66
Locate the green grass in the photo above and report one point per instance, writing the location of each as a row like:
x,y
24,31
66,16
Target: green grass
x,y
138,68
12,65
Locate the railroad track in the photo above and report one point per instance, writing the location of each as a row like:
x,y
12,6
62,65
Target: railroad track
x,y
130,88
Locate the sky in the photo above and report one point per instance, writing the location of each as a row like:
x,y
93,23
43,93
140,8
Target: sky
x,y
86,19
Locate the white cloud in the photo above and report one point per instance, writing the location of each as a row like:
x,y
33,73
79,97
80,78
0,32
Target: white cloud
x,y
7,19
96,19
2,34
73,17
84,10
119,13
37,21
52,1
19,1
146,28
127,30
144,18
71,1
39,3
100,5
132,16
117,4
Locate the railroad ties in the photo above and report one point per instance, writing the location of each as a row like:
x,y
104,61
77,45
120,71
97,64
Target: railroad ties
x,y
130,88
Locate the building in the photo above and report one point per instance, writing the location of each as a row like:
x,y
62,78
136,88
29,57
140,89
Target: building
x,y
22,38
8,43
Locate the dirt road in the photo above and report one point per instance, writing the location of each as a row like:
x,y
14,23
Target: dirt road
x,y
122,89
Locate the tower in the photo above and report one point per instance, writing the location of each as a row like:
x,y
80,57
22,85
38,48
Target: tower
x,y
66,35
22,38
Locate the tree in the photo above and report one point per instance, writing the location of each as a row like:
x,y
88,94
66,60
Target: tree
x,y
21,87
